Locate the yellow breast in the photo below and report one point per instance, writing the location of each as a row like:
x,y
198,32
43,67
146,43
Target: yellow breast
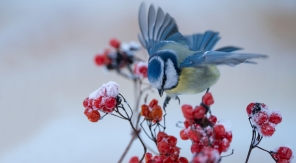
x,y
195,80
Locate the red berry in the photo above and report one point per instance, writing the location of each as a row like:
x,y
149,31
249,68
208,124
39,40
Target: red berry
x,y
148,156
145,111
283,161
163,147
196,147
172,140
85,102
199,112
208,99
183,135
225,144
143,70
134,159
228,136
187,111
284,153
92,115
213,119
100,59
156,113
158,159
160,136
152,103
219,131
183,160
98,102
168,160
250,108
193,135
110,103
275,118
187,123
260,117
114,43
266,129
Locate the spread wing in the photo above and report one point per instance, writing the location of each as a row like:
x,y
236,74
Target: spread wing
x,y
158,29
219,58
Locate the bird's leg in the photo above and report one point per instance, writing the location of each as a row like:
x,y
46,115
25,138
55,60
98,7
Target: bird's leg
x,y
166,102
207,90
177,98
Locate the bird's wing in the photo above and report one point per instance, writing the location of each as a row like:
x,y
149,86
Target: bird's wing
x,y
158,29
202,42
228,49
219,58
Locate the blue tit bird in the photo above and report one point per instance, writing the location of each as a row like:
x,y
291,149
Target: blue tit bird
x,y
181,64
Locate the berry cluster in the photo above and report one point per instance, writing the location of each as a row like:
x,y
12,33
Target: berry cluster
x,y
122,56
169,152
216,135
208,137
207,155
263,119
140,69
152,112
283,155
103,99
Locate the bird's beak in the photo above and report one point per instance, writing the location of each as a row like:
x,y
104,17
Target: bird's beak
x,y
160,91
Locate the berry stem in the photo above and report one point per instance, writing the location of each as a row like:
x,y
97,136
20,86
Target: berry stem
x,y
251,145
136,133
270,152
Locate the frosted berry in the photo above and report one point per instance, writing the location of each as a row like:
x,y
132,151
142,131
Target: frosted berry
x,y
168,160
187,111
219,131
260,117
183,135
250,108
183,160
85,102
283,161
266,129
194,135
208,99
143,70
114,43
284,153
199,112
225,145
92,115
172,140
187,123
160,136
98,103
110,103
228,135
163,147
213,119
196,147
134,159
275,118
158,159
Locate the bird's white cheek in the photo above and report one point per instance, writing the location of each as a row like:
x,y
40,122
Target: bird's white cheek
x,y
171,75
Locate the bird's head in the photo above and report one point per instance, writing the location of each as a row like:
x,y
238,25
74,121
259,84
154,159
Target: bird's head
x,y
163,70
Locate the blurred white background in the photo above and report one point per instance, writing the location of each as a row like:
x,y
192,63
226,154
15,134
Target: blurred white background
x,y
47,69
